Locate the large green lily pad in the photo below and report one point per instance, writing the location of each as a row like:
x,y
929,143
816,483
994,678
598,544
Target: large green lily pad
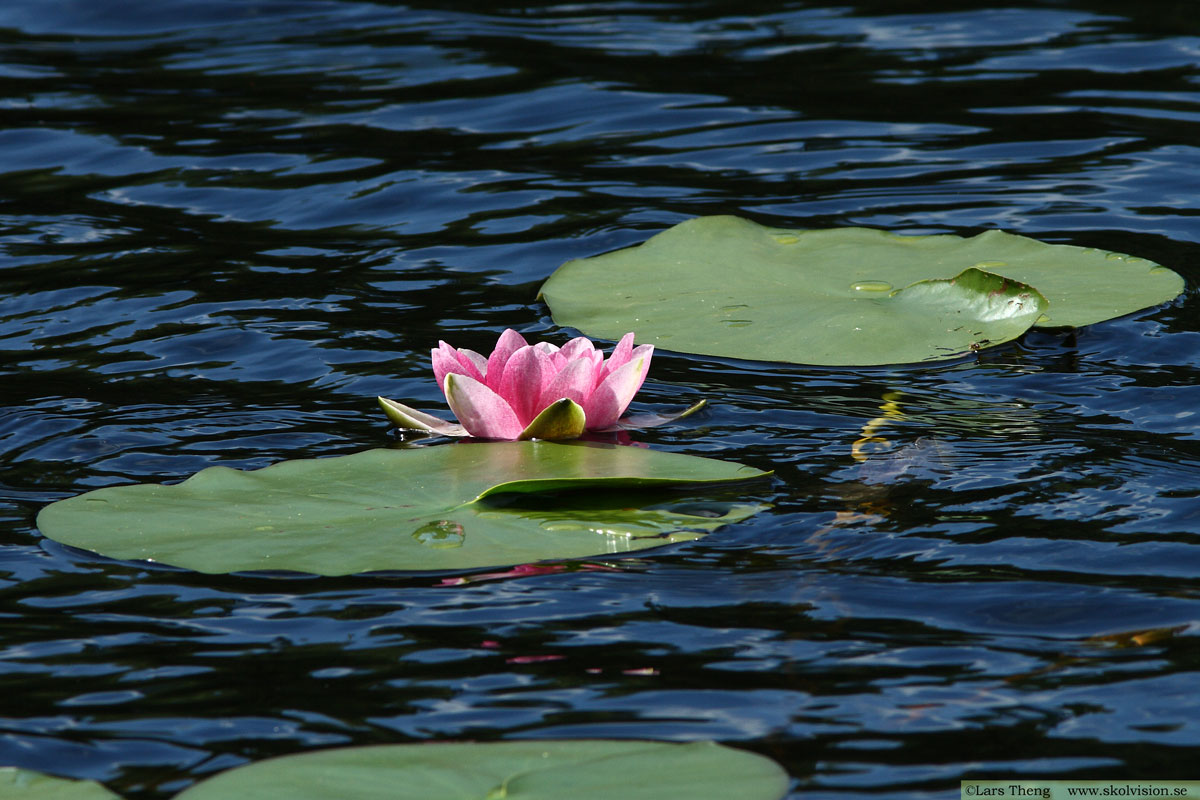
x,y
27,784
725,286
582,769
454,506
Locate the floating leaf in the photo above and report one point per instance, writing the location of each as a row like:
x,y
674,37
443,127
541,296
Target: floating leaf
x,y
581,769
455,506
726,286
27,784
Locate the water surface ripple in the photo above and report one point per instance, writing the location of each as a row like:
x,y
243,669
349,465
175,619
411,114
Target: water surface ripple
x,y
226,226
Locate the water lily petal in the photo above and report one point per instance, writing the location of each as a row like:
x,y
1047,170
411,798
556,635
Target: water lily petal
x,y
446,360
582,348
620,354
597,366
480,410
573,381
562,419
645,351
509,342
577,347
527,372
615,392
478,360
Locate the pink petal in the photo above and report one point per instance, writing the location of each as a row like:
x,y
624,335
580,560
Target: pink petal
x,y
582,349
645,351
475,359
616,392
573,381
446,360
527,372
620,354
480,410
577,347
597,368
509,342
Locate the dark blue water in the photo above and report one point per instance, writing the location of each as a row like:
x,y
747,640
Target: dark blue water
x,y
226,226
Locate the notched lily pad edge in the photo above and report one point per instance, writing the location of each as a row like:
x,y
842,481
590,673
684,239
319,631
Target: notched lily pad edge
x,y
556,485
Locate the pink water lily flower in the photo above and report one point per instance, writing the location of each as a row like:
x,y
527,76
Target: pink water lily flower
x,y
524,391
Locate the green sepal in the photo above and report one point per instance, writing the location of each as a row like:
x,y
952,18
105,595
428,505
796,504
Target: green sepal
x,y
402,416
562,419
638,421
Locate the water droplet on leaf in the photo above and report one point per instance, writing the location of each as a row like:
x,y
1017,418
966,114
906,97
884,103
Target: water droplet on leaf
x,y
443,533
871,286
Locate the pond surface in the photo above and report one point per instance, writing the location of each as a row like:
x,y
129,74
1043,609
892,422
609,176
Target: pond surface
x,y
226,226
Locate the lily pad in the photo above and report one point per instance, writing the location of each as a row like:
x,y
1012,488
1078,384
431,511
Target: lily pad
x,y
725,286
581,769
27,784
456,506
